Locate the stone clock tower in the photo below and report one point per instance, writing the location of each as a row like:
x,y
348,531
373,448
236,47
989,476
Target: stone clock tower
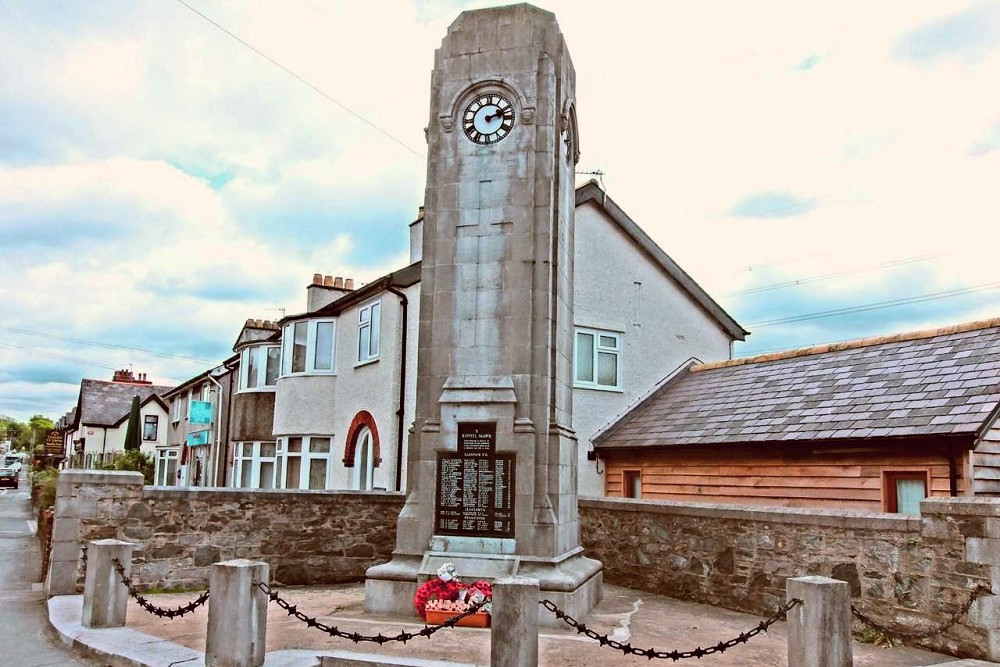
x,y
492,456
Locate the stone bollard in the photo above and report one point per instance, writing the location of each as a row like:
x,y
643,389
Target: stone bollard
x,y
237,614
104,594
514,623
819,629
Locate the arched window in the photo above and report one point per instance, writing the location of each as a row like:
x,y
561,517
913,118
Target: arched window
x,y
361,450
364,460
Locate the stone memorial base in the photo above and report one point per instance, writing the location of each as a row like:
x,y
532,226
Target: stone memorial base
x,y
573,582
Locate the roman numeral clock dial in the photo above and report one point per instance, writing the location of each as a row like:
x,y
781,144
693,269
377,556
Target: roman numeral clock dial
x,y
488,118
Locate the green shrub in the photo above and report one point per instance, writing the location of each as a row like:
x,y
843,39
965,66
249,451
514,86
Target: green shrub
x,y
45,482
132,460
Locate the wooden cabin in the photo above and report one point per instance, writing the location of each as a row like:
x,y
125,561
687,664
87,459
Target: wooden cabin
x,y
876,424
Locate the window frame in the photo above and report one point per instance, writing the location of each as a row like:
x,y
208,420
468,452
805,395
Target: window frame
x,y
369,331
260,352
175,409
364,460
628,475
309,367
254,460
890,502
306,456
163,457
156,427
595,352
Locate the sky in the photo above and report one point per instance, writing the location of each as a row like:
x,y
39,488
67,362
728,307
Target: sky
x,y
168,168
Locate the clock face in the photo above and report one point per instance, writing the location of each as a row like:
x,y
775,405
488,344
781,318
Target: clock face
x,y
488,118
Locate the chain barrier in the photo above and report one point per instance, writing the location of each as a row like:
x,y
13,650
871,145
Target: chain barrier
x,y
651,653
83,557
356,637
923,634
152,608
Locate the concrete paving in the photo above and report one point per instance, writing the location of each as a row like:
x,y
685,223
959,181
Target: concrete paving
x,y
26,639
625,615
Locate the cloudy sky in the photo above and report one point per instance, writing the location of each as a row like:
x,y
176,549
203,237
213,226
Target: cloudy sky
x,y
827,171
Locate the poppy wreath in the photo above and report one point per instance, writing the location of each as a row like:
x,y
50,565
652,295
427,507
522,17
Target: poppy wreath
x,y
438,589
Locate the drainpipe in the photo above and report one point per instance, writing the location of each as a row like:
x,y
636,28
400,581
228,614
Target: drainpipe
x,y
403,302
218,426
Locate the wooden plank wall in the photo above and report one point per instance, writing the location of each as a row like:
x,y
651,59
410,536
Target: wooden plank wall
x,y
835,480
986,464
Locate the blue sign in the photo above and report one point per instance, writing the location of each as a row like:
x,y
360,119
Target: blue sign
x,y
200,412
198,438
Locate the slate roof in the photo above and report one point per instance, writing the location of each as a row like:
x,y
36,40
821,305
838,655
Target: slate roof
x,y
942,382
102,403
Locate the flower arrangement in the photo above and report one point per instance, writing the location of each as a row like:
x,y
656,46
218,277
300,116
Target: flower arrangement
x,y
446,593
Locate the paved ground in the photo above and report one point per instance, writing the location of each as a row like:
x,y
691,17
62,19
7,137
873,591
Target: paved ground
x,y
628,616
26,640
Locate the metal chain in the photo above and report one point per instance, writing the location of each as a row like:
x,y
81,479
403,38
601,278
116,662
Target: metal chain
x,y
651,653
83,557
150,607
924,634
355,637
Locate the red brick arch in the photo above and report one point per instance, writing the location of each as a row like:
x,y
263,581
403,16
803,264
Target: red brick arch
x,y
363,418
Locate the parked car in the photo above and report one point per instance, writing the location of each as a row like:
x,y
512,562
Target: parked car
x,y
13,461
9,477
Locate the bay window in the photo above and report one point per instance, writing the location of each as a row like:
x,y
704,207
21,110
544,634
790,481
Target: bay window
x,y
308,346
307,462
259,367
256,465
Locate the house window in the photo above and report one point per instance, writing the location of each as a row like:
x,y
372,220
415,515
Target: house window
x,y
903,491
369,321
256,465
150,425
166,467
259,368
306,462
176,409
596,359
364,460
308,347
632,484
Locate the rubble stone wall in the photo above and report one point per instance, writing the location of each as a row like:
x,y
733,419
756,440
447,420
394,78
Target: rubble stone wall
x,y
307,537
911,572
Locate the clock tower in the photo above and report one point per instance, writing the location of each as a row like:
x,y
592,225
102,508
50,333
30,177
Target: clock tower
x,y
491,469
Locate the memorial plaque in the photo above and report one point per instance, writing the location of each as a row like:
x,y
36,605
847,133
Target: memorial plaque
x,y
475,486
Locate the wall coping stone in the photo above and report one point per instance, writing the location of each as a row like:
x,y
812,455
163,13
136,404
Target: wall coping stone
x,y
123,477
966,506
223,494
792,515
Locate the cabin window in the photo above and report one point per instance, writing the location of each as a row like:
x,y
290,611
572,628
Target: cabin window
x,y
904,490
632,484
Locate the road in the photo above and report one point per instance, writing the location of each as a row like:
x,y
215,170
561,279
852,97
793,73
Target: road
x,y
26,640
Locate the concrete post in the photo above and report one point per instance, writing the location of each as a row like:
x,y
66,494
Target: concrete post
x,y
104,594
237,614
819,629
514,623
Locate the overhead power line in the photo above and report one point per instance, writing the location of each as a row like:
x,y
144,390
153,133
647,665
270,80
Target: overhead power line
x,y
827,276
55,355
301,79
877,306
109,346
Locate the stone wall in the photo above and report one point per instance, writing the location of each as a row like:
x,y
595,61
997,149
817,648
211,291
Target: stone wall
x,y
911,572
307,537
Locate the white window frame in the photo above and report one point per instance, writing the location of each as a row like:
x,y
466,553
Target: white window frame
x,y
595,351
260,352
307,456
363,478
251,462
163,457
369,332
287,341
175,409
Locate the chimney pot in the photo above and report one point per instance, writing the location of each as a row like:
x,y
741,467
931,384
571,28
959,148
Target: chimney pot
x,y
317,279
349,283
338,282
420,213
328,281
